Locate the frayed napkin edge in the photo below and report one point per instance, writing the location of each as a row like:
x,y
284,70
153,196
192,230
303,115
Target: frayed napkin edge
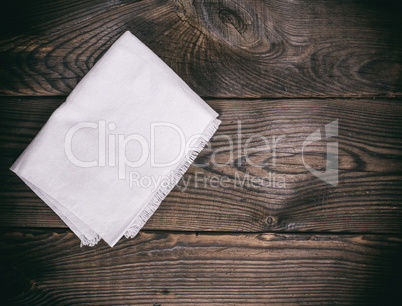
x,y
163,190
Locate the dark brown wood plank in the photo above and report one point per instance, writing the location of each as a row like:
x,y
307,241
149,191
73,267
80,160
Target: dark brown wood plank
x,y
220,48
367,198
44,267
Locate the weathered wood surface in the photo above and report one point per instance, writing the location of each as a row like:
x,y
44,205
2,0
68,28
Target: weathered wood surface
x,y
321,54
367,198
48,268
220,48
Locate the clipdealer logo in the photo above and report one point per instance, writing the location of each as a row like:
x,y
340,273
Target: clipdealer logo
x,y
113,150
330,175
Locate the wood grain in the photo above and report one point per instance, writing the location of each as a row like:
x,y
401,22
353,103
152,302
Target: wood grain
x,y
367,198
208,244
48,267
220,48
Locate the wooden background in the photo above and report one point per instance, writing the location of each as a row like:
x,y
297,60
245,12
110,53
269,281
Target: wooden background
x,y
281,68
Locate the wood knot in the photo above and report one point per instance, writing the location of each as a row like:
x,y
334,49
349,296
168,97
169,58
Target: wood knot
x,y
236,23
232,18
272,221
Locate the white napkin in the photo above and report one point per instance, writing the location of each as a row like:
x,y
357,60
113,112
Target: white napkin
x,y
117,146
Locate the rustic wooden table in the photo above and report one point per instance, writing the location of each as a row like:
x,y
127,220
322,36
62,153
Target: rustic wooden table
x,y
278,69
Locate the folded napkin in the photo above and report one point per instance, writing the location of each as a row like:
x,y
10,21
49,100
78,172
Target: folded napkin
x,y
117,146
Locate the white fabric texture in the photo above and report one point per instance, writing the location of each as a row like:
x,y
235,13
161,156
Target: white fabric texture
x,y
116,147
